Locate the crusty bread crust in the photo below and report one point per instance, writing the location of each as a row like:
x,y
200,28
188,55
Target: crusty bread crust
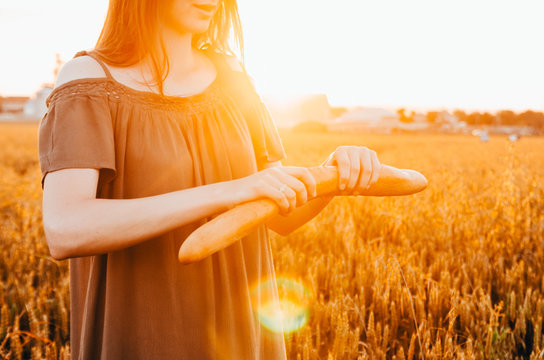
x,y
239,221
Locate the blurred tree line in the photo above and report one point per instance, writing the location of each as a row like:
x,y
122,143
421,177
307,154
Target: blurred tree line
x,y
534,119
505,117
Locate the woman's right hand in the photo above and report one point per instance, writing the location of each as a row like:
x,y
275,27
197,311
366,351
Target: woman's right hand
x,y
288,186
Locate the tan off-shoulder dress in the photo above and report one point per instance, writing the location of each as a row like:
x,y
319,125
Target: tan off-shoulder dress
x,y
139,302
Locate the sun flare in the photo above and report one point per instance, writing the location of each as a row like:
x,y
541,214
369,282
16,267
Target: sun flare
x,y
292,311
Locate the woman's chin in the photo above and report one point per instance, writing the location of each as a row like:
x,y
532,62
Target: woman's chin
x,y
194,27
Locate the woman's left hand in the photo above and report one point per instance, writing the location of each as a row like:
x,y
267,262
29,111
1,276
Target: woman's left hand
x,y
358,168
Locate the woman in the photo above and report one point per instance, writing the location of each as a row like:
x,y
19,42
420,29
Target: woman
x,y
146,137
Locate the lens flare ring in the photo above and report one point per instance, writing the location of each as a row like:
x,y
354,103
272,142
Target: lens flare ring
x,y
289,311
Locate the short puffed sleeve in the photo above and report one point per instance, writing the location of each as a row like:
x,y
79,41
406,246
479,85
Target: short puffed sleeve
x,y
264,133
77,132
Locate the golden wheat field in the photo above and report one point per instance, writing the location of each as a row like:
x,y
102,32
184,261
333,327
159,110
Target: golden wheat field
x,y
454,272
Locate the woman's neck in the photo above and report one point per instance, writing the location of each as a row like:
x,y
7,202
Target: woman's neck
x,y
182,56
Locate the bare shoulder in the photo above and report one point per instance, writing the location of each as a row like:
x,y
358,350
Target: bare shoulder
x,y
81,67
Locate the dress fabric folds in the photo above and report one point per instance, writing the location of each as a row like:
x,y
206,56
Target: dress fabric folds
x,y
140,302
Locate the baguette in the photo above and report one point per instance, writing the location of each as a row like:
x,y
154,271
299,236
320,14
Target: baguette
x,y
234,224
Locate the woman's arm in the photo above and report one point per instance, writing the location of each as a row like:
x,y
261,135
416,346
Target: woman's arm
x,y
76,223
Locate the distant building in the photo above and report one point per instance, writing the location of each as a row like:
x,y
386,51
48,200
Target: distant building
x,y
377,120
299,109
446,117
16,108
368,115
13,104
35,107
368,119
314,108
446,122
419,118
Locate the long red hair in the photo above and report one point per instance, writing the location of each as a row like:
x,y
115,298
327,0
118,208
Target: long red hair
x,y
130,33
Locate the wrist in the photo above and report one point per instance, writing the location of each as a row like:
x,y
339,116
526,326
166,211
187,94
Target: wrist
x,y
221,195
233,192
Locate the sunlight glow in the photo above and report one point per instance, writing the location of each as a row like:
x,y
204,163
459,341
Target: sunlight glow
x,y
293,310
466,54
484,54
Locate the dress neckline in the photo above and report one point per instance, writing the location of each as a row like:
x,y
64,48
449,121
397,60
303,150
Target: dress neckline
x,y
147,95
168,98
211,58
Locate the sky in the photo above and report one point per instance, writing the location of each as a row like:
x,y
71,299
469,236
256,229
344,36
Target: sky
x,y
419,54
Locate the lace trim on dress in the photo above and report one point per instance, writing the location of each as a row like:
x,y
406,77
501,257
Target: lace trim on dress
x,y
118,92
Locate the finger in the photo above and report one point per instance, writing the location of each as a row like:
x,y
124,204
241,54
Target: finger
x,y
304,175
281,181
375,168
355,167
297,186
329,161
342,163
289,193
271,190
366,171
